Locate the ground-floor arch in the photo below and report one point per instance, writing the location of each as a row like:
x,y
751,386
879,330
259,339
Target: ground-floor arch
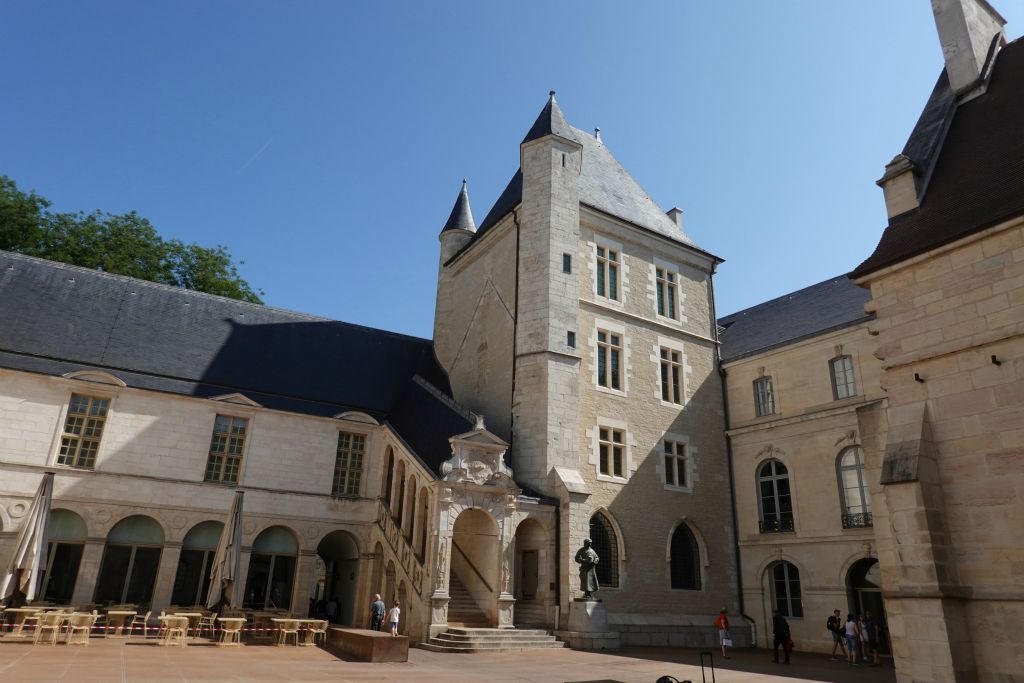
x,y
337,575
864,593
476,565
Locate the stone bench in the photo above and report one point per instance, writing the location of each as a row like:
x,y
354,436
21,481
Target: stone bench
x,y
369,646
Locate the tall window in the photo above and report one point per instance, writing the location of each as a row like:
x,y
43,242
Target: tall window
x,y
776,504
786,590
605,544
684,565
764,397
226,449
192,580
271,575
83,428
671,370
348,464
611,451
609,351
131,558
608,273
853,492
843,383
675,464
389,477
668,293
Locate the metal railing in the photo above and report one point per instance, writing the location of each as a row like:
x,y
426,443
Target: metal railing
x,y
775,526
857,520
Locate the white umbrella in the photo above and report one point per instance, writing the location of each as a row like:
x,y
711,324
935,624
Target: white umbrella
x,y
30,550
227,563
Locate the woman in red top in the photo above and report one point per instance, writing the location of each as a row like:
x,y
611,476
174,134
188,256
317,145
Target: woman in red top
x,y
722,624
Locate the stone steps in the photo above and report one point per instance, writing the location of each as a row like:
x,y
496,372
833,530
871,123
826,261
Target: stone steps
x,y
469,640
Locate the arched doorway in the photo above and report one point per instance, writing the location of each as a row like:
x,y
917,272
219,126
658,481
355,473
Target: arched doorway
x,y
271,569
192,580
340,557
531,575
475,558
864,588
130,562
67,533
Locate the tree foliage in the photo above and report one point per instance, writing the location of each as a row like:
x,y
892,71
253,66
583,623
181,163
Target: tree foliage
x,y
125,244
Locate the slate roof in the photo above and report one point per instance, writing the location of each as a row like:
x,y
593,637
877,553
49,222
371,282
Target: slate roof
x,y
604,184
978,177
461,217
824,307
56,318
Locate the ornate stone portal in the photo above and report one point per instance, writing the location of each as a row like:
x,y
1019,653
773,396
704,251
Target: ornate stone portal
x,y
475,478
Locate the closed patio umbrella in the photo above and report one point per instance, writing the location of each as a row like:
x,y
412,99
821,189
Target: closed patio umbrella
x,y
22,576
227,562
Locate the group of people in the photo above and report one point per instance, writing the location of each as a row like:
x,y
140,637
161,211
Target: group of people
x,y
377,615
855,637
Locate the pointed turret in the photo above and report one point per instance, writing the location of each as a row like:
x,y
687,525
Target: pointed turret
x,y
550,122
461,217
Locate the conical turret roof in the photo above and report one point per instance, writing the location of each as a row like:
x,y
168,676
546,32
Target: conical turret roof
x,y
550,122
461,217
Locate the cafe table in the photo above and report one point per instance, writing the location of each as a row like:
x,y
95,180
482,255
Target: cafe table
x,y
20,615
116,619
193,618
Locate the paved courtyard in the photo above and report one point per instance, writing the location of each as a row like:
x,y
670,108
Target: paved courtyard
x,y
110,660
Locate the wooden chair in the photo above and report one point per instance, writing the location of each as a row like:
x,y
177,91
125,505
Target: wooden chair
x,y
49,625
287,628
231,633
208,623
176,631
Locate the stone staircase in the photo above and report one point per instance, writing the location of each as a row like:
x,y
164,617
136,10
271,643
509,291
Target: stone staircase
x,y
462,608
468,640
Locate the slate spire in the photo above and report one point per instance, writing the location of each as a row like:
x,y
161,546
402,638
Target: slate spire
x,y
550,122
461,217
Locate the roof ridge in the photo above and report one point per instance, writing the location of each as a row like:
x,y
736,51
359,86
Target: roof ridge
x,y
449,401
184,291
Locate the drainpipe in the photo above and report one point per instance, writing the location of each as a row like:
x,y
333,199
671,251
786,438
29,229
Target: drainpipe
x,y
728,458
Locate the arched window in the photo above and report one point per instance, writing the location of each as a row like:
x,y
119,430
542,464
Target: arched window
x,y
389,475
421,544
400,494
271,569
412,510
192,580
684,559
130,561
602,533
852,491
66,534
786,589
776,504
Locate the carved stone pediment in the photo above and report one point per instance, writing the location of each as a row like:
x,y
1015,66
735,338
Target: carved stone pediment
x,y
478,457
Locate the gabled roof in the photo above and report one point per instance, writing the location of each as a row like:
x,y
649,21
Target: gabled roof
x,y
56,319
461,217
978,176
604,184
824,307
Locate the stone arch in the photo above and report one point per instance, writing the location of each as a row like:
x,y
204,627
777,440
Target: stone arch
x,y
476,558
339,552
532,538
703,561
67,533
389,477
131,560
794,589
423,514
606,535
195,563
774,517
270,581
411,509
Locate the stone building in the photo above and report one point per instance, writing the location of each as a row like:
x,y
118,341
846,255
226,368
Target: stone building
x,y
570,392
797,369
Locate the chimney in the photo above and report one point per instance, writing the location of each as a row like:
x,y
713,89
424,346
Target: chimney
x,y
967,29
676,214
899,186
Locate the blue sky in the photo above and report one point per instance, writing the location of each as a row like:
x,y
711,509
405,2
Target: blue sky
x,y
325,142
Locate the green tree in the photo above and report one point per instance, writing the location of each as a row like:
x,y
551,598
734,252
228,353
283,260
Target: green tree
x,y
126,244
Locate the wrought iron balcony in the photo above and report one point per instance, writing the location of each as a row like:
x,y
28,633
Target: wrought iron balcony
x,y
857,521
775,526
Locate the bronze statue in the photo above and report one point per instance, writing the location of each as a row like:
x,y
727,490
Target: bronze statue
x,y
587,559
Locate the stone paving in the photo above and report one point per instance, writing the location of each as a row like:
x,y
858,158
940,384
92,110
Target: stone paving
x,y
110,660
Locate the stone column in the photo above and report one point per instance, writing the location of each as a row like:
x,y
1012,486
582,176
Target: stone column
x,y
243,574
88,571
364,592
506,601
305,572
442,542
165,574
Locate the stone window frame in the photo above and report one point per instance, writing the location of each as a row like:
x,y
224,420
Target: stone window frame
x,y
699,547
688,457
762,409
234,414
595,449
850,384
349,470
862,487
608,244
610,327
685,370
99,385
788,581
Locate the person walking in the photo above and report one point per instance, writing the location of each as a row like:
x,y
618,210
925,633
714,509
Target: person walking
x,y
835,627
852,631
874,631
377,613
780,633
722,624
393,614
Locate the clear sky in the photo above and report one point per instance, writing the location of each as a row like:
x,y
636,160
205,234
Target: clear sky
x,y
325,142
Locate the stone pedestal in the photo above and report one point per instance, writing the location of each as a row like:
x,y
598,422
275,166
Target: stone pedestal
x,y
369,646
587,627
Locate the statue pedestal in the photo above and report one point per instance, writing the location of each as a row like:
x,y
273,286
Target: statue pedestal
x,y
587,627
